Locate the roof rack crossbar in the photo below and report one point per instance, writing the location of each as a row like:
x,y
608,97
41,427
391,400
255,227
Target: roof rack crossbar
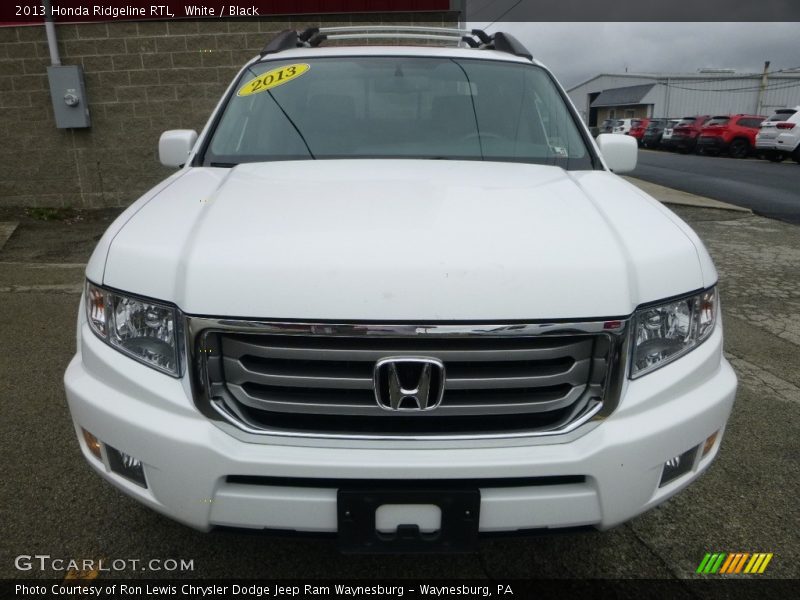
x,y
397,28
392,36
474,38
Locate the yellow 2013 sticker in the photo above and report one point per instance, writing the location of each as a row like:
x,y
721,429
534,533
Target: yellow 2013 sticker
x,y
273,78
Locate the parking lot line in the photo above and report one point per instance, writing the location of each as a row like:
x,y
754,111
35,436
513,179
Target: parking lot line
x,y
65,288
38,265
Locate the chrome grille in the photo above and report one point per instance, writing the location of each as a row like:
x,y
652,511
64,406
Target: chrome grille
x,y
318,379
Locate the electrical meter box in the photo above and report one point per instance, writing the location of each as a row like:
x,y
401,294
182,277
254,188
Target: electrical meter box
x,y
68,94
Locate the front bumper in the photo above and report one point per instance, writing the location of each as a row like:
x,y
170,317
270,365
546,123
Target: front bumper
x,y
204,477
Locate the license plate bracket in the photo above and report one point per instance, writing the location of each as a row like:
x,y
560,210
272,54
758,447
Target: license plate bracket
x,y
358,533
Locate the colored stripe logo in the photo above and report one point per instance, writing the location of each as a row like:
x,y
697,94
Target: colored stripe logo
x,y
733,563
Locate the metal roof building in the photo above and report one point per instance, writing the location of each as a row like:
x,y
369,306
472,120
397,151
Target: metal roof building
x,y
633,95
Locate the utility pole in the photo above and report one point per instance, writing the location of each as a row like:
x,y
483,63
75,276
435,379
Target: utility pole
x,y
762,87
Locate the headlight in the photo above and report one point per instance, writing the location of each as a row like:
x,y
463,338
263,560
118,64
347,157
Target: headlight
x,y
142,329
663,333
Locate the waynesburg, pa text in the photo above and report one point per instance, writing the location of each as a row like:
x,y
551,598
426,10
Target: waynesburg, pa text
x,y
256,590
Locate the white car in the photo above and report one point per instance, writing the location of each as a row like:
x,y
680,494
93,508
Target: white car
x,y
666,138
767,136
623,125
787,141
373,300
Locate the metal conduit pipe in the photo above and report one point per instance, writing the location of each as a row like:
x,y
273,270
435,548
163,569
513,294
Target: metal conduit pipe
x,y
50,30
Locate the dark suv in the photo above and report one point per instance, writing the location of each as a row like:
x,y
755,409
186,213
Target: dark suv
x,y
734,134
685,133
654,132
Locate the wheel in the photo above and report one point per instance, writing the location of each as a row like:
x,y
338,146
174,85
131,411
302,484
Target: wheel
x,y
796,155
739,149
775,157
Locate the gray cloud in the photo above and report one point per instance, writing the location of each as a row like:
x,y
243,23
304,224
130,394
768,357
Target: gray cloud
x,y
577,51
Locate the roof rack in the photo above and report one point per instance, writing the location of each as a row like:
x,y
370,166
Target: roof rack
x,y
472,38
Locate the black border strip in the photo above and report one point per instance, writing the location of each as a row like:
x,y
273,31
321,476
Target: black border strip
x,y
480,13
313,482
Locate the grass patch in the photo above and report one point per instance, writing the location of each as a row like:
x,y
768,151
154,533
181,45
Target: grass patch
x,y
44,213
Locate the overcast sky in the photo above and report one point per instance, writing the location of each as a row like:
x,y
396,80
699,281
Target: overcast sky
x,y
578,51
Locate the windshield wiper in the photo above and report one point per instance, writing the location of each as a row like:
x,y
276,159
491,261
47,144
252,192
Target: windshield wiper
x,y
288,118
474,110
224,165
292,123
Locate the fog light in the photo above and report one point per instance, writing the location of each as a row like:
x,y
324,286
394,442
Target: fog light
x,y
126,465
677,466
93,444
710,443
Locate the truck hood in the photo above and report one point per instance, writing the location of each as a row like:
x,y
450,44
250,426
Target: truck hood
x,y
411,240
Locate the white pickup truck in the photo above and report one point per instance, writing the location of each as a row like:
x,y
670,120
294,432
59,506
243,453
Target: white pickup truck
x,y
398,294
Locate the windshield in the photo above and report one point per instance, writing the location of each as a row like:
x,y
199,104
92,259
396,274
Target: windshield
x,y
397,107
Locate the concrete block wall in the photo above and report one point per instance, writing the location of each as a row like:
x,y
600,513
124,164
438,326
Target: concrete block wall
x,y
141,78
639,111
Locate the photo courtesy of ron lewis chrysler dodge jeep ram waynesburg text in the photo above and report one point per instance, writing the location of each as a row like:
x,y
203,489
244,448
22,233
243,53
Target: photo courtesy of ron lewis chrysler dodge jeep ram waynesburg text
x,y
398,294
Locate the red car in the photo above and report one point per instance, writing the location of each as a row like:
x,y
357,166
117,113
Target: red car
x,y
685,133
638,127
734,134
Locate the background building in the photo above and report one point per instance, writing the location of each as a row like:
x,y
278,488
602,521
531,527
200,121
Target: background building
x,y
630,95
141,79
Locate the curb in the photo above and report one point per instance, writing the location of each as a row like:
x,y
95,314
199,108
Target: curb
x,y
673,196
7,228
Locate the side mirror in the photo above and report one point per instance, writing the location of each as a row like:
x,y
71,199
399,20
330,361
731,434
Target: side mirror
x,y
619,151
174,146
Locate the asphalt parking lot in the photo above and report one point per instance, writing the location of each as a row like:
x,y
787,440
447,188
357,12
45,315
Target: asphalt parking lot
x,y
769,189
53,504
